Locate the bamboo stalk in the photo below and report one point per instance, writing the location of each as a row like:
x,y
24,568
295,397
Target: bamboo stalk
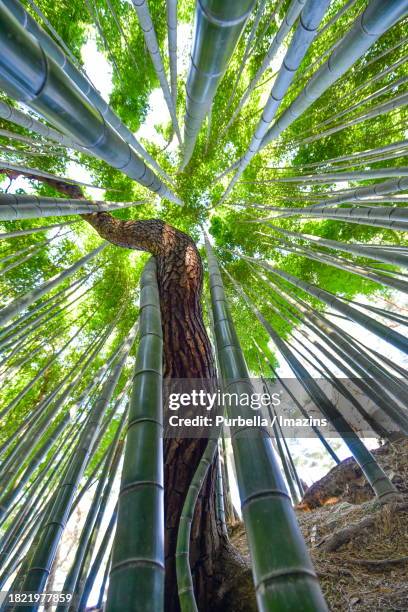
x,y
34,230
51,532
389,217
333,177
15,207
335,339
219,25
91,538
292,14
292,465
82,549
371,251
40,173
24,301
172,44
331,300
379,92
299,406
220,501
149,33
309,20
125,38
55,356
283,573
184,577
85,86
93,572
326,374
376,111
15,331
376,19
7,499
39,418
346,265
88,126
394,147
248,48
137,571
283,460
379,481
20,118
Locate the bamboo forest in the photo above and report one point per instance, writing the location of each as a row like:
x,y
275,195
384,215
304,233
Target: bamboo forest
x,y
204,313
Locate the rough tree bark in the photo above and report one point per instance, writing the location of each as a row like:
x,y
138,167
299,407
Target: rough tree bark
x,y
222,578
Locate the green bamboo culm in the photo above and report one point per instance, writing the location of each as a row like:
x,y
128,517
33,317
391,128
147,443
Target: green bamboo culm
x,y
44,552
218,28
378,479
284,461
184,577
137,571
298,405
219,498
283,573
73,576
183,571
291,463
229,507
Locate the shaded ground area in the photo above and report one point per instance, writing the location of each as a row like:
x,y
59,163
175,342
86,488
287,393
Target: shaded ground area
x,y
359,548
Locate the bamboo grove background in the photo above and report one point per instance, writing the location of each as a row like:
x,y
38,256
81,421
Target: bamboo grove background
x,y
294,162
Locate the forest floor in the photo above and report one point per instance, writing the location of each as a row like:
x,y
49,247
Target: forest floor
x,y
359,547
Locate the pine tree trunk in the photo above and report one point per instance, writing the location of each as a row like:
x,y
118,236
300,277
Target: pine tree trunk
x,y
215,566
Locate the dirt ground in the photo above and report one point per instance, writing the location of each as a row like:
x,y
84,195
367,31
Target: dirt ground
x,y
359,547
